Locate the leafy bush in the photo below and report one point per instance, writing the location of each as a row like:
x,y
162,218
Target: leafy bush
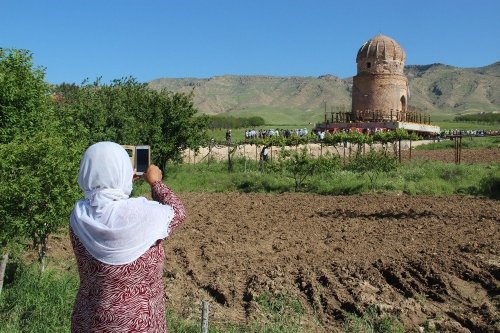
x,y
296,164
490,186
487,117
328,163
373,164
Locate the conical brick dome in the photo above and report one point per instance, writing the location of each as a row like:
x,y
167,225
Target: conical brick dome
x,y
381,47
381,55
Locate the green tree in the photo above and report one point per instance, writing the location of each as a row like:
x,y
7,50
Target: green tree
x,y
128,112
39,155
23,94
178,127
38,187
296,164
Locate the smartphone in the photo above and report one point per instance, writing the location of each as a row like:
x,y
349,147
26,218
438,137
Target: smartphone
x,y
142,159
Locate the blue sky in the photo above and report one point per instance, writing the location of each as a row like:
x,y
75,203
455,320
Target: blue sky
x,y
149,39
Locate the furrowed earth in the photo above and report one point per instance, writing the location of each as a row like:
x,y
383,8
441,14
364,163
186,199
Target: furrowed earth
x,y
420,258
430,261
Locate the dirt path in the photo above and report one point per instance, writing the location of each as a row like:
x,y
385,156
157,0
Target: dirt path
x,y
422,258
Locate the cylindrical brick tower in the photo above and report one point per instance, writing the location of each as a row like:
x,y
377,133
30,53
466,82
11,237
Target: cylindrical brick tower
x,y
380,89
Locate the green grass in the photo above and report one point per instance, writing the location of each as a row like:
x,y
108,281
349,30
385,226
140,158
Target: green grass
x,y
282,312
415,178
442,115
433,178
37,302
372,322
275,116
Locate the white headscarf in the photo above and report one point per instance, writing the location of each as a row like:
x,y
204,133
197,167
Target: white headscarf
x,y
114,228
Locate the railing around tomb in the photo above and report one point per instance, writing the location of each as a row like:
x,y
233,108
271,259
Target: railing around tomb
x,y
377,116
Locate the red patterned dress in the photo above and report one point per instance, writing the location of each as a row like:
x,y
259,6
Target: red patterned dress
x,y
124,298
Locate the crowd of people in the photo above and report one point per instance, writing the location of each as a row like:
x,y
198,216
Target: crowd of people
x,y
301,132
263,133
479,132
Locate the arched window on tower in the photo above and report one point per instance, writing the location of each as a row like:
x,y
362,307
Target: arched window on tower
x,y
403,103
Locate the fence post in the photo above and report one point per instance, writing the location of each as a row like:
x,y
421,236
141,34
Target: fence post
x,y
345,146
245,156
204,317
399,150
458,149
410,149
5,258
209,152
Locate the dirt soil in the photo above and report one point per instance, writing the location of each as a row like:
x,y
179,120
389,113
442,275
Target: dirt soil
x,y
467,156
424,259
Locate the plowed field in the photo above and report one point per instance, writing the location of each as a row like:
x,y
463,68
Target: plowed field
x,y
433,259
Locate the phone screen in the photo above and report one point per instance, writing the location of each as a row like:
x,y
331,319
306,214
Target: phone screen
x,y
142,160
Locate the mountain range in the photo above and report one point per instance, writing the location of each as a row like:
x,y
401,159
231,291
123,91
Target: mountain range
x,y
434,88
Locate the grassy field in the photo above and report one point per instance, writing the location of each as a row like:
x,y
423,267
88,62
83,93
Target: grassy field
x,y
283,117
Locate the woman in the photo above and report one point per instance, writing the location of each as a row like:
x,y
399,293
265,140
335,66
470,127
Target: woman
x,y
117,244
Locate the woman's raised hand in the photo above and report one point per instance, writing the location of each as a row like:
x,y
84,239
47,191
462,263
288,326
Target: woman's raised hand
x,y
153,174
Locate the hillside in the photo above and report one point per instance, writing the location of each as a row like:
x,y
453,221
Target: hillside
x,y
439,86
433,88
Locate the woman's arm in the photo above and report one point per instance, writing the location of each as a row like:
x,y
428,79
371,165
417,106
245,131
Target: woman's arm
x,y
164,195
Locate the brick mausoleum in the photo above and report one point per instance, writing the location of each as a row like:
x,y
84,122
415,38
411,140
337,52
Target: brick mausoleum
x,y
380,93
